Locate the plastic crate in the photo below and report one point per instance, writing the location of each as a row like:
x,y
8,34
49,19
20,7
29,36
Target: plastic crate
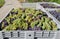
x,y
29,34
29,5
51,3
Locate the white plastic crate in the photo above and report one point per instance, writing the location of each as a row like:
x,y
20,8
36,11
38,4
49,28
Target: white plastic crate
x,y
56,4
30,34
28,5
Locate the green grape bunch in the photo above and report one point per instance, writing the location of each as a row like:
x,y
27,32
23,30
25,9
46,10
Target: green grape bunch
x,y
28,19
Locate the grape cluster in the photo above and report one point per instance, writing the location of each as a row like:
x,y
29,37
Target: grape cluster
x,y
28,19
56,14
50,6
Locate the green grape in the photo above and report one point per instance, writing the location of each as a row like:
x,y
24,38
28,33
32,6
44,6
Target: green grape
x,y
25,25
14,27
44,26
15,10
40,24
34,23
40,12
8,28
23,16
16,22
32,11
29,17
54,25
42,19
55,28
2,25
19,11
47,19
36,13
14,16
29,20
50,22
10,15
48,27
27,10
8,20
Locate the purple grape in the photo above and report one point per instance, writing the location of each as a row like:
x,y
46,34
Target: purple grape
x,y
36,28
50,6
30,29
58,18
55,14
5,22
